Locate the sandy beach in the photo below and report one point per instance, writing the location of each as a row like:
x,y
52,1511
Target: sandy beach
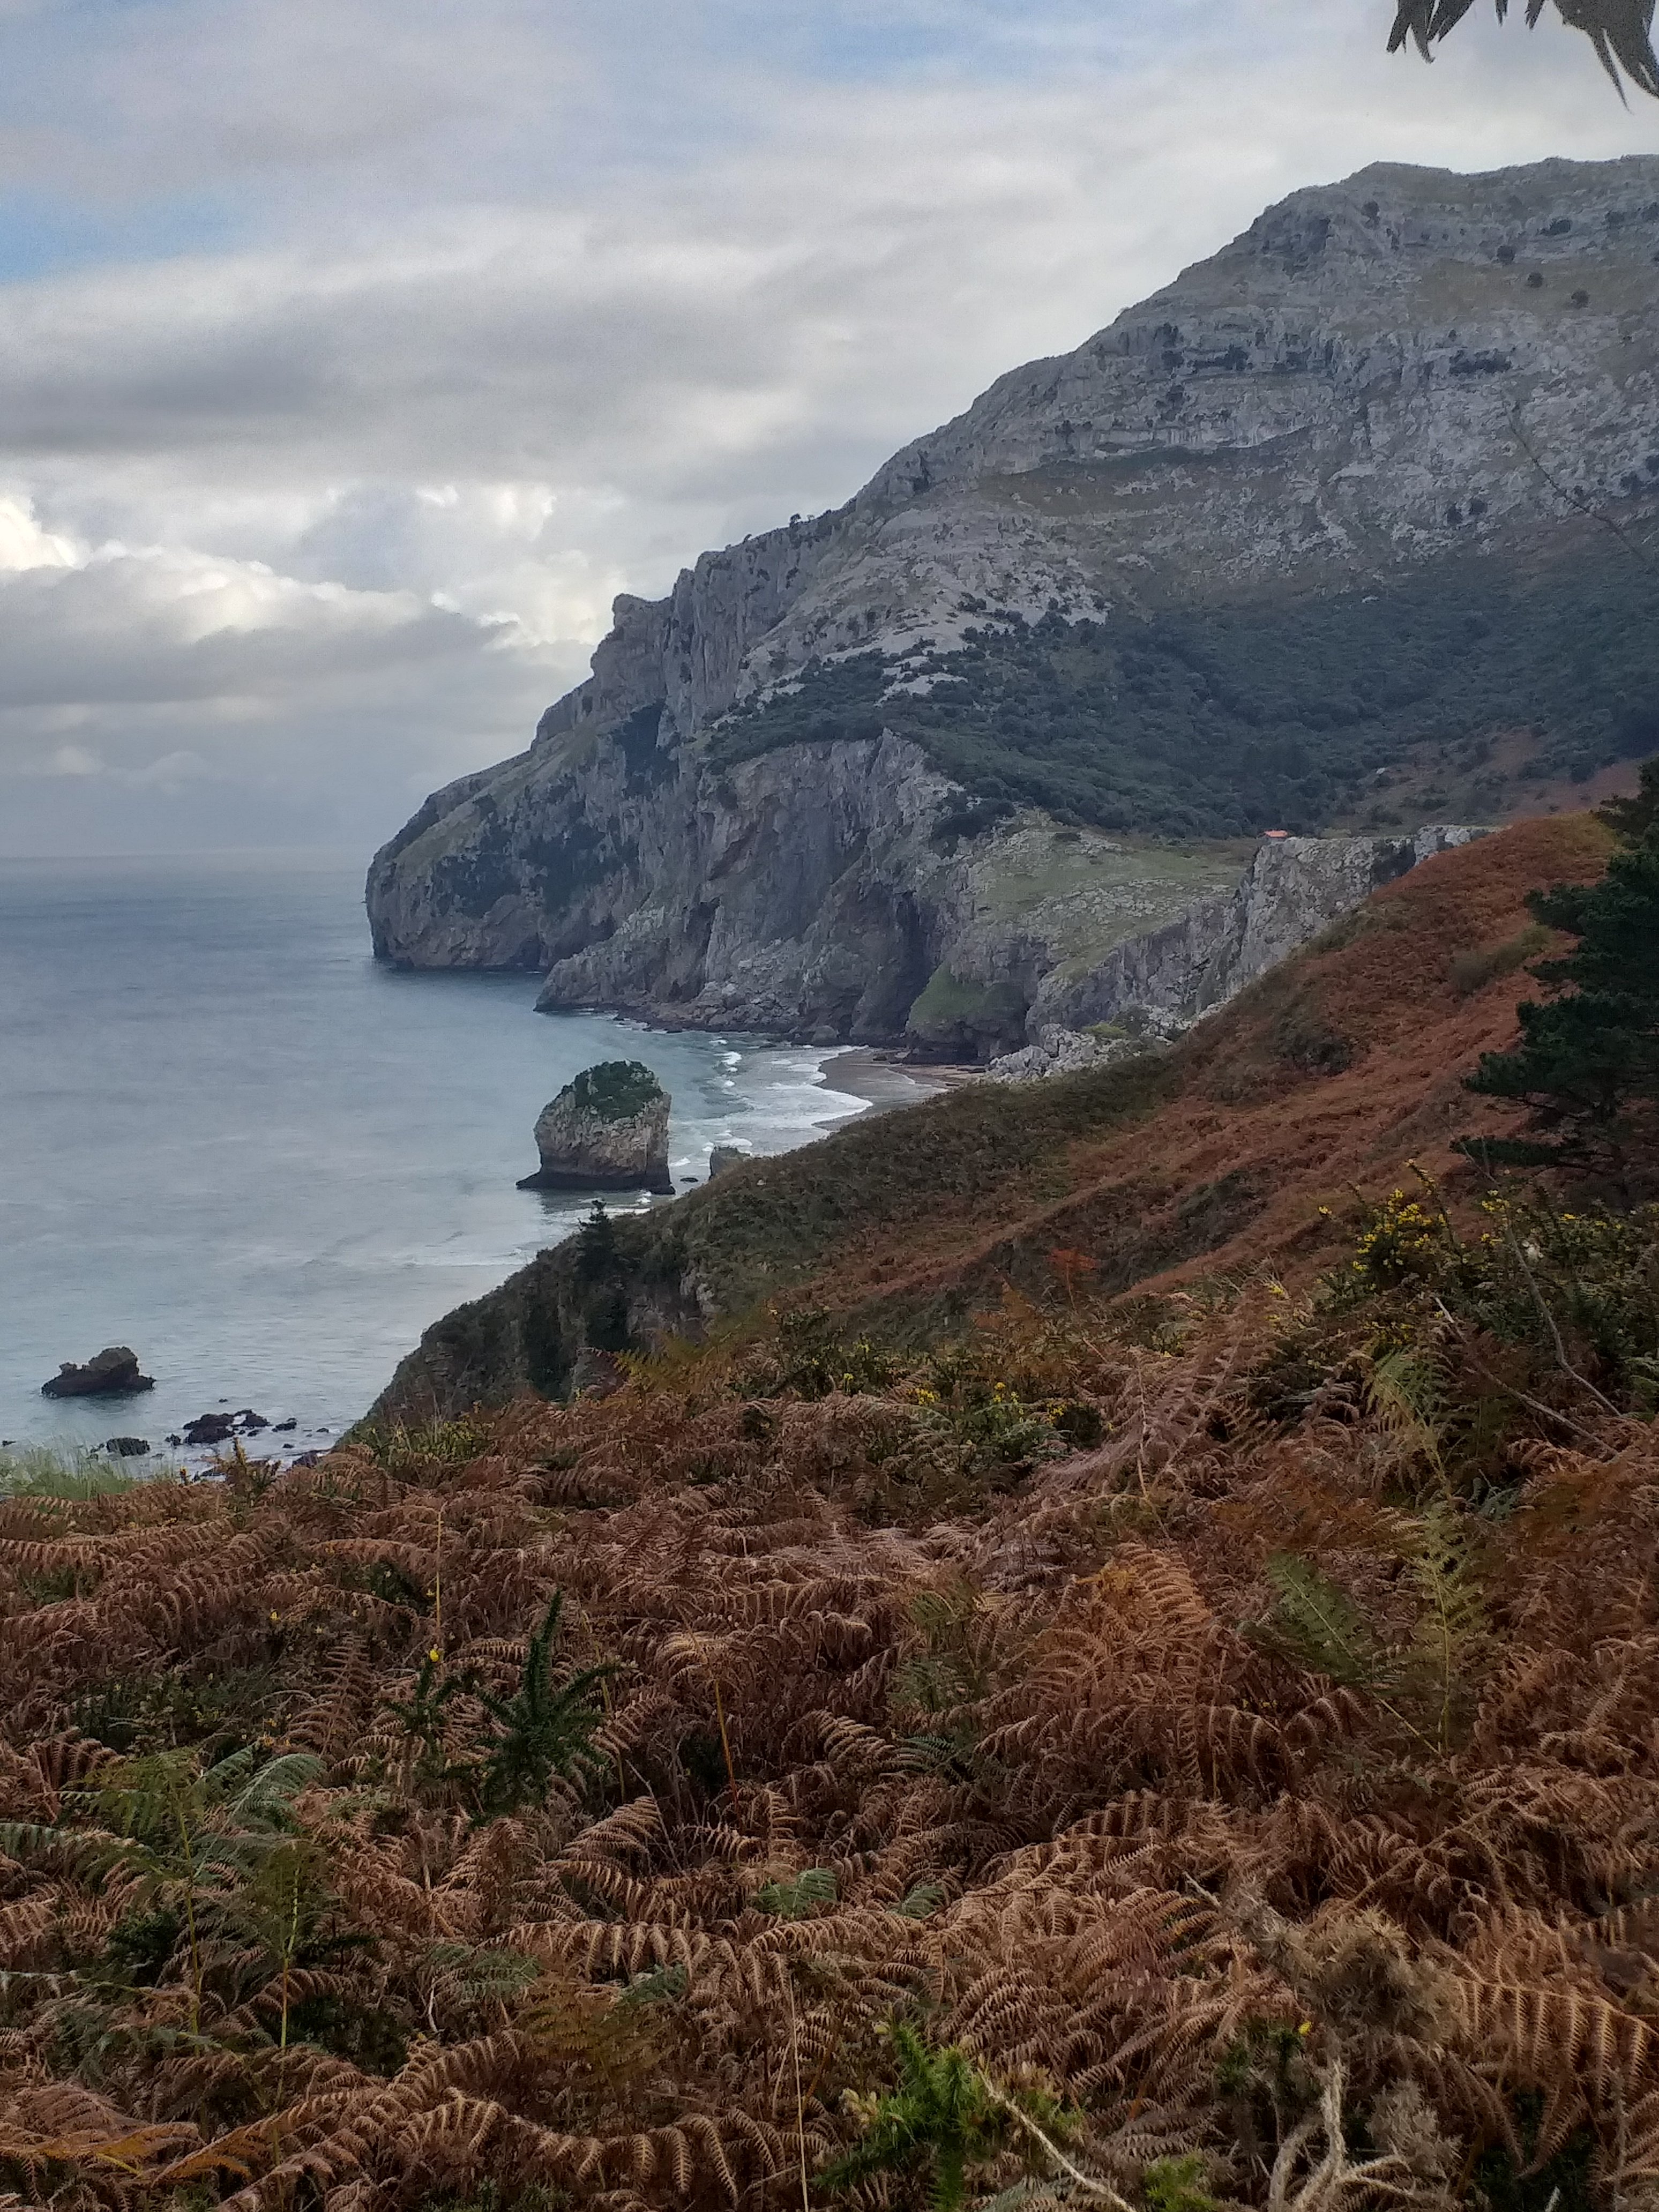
x,y
865,1073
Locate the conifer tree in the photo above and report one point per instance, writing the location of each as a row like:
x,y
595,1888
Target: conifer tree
x,y
1587,1062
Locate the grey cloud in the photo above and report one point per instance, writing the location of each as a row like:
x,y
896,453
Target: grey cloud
x,y
530,303
110,633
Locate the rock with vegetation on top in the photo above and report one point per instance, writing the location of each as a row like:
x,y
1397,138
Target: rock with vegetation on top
x,y
722,1156
112,1374
606,1130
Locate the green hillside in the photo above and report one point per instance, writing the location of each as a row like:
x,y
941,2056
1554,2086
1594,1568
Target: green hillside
x,y
1268,712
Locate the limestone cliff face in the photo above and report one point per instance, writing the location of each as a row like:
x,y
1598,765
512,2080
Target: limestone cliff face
x,y
1406,367
1293,889
805,892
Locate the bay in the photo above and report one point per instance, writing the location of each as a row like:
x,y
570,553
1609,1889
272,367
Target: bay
x,y
231,1140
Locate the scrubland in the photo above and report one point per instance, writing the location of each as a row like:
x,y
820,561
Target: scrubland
x,y
1041,1708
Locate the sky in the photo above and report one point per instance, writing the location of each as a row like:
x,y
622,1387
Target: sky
x,y
354,354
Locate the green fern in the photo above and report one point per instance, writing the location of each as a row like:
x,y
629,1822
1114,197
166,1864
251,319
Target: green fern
x,y
1451,1626
1408,1392
794,1900
1316,1625
541,1731
189,1837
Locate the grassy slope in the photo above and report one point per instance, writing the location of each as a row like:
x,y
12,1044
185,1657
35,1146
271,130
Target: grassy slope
x,y
1336,1068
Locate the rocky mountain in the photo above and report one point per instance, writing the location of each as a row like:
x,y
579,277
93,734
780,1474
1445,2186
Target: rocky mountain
x,y
1348,526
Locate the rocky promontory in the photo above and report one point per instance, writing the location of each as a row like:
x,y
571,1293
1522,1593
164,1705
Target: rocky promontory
x,y
606,1130
1315,539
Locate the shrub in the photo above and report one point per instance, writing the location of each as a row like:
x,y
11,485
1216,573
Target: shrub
x,y
1472,970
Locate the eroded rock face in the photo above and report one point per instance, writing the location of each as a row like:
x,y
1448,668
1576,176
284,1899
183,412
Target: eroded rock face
x,y
1327,404
1056,1051
606,1130
1293,889
113,1373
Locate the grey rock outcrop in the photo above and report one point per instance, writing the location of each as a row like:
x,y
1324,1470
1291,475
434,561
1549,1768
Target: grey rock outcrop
x,y
1057,1051
1328,402
723,1157
1293,889
606,1130
112,1373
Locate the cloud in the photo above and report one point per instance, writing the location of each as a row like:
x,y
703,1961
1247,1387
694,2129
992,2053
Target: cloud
x,y
417,333
270,675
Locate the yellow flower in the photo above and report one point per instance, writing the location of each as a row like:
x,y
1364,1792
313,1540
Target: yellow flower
x,y
276,1616
434,1653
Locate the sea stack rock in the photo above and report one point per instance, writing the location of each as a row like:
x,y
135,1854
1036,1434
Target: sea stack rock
x,y
607,1130
112,1374
724,1157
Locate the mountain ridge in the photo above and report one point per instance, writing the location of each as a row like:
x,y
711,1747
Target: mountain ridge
x,y
1327,516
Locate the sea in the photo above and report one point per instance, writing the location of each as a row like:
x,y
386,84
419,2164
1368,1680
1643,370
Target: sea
x,y
231,1140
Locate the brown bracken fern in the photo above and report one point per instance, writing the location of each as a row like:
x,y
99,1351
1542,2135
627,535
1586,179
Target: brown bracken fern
x,y
1258,1804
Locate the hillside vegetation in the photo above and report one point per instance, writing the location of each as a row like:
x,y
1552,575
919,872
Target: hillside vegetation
x,y
1336,1067
1278,711
1190,1751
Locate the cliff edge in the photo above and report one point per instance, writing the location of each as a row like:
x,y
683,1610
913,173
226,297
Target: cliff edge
x,y
1316,537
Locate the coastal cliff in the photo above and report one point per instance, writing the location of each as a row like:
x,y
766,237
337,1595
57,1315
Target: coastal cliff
x,y
1338,1063
1313,538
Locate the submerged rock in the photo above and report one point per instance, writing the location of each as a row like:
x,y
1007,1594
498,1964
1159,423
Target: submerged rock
x,y
112,1374
606,1130
219,1428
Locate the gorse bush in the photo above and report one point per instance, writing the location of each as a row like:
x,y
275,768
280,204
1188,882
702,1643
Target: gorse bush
x,y
1576,1289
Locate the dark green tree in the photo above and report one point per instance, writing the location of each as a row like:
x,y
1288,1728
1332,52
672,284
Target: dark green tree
x,y
1587,1062
1637,817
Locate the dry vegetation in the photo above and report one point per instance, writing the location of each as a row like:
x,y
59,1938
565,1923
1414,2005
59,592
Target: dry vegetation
x,y
1334,1069
1165,1752
1208,1760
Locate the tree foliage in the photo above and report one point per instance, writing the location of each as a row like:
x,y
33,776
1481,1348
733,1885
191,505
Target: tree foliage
x,y
1279,712
1588,1062
1621,31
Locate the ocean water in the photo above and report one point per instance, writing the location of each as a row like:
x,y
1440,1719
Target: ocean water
x,y
232,1142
